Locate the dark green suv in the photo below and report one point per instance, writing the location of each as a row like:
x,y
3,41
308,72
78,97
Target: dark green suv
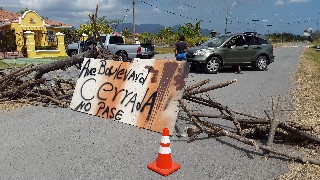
x,y
242,49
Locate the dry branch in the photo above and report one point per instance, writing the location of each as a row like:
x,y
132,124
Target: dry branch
x,y
221,85
190,88
244,123
210,128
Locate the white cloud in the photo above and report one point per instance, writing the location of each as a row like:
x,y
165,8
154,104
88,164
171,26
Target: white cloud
x,y
156,10
77,5
211,11
238,3
298,1
282,2
279,3
73,11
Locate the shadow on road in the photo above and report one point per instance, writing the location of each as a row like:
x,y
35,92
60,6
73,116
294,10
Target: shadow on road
x,y
226,69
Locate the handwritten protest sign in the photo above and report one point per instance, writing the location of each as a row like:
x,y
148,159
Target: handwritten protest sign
x,y
142,93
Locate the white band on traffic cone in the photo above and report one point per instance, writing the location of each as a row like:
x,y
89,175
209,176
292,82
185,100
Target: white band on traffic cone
x,y
164,150
165,140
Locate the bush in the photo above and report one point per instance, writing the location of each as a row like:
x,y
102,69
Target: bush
x,y
7,41
46,47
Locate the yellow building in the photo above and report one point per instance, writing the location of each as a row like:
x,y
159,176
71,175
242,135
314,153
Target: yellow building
x,y
34,33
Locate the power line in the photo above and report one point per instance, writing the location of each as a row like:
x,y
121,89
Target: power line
x,y
173,13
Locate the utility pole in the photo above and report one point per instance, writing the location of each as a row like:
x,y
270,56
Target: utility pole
x,y
269,25
254,22
227,14
318,21
134,16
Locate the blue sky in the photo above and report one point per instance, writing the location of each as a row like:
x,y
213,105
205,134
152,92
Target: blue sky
x,y
269,15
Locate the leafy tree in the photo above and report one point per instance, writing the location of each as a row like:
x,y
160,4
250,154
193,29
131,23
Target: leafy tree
x,y
104,26
70,35
23,11
147,37
167,35
191,32
316,35
126,32
7,41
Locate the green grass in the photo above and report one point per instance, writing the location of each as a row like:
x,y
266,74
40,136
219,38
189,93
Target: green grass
x,y
164,50
7,65
2,65
315,55
56,58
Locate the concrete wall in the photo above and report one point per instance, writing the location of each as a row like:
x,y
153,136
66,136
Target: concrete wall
x,y
33,53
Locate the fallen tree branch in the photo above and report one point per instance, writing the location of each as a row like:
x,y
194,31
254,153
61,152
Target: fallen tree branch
x,y
221,85
210,128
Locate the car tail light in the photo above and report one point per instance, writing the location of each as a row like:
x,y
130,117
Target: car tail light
x,y
139,49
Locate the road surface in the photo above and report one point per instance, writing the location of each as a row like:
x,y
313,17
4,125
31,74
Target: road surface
x,y
55,143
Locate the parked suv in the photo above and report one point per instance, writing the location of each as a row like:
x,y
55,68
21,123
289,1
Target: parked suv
x,y
244,49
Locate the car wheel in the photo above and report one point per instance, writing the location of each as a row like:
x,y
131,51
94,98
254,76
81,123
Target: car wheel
x,y
73,53
122,57
213,65
262,63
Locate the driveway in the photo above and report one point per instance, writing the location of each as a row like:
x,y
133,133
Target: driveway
x,y
55,143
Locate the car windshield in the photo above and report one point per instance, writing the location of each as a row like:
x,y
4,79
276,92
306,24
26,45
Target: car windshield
x,y
116,40
216,41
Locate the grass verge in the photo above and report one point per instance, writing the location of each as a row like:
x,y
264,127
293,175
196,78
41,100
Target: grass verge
x,y
4,65
307,114
57,58
164,50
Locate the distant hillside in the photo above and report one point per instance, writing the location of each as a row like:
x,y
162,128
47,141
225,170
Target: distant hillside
x,y
152,28
140,28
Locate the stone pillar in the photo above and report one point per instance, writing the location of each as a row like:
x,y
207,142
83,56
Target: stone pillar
x,y
61,47
30,43
19,41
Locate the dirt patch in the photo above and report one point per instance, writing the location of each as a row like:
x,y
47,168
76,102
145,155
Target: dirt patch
x,y
8,106
307,114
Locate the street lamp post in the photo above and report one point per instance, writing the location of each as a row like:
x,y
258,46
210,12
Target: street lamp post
x,y
269,25
227,14
318,21
133,16
254,22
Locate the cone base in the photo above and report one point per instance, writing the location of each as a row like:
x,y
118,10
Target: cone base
x,y
164,172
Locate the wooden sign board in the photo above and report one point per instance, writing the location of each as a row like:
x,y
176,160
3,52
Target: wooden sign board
x,y
142,93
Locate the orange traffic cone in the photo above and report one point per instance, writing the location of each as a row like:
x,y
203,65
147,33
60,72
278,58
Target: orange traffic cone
x,y
164,164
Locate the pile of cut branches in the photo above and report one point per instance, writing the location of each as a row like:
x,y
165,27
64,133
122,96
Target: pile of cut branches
x,y
246,125
28,85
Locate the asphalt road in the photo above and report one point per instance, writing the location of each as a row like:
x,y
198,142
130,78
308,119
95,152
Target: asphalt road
x,y
55,143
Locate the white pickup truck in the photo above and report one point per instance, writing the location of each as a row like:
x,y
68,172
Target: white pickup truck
x,y
115,44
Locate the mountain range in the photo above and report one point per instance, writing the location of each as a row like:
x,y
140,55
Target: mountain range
x,y
152,28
